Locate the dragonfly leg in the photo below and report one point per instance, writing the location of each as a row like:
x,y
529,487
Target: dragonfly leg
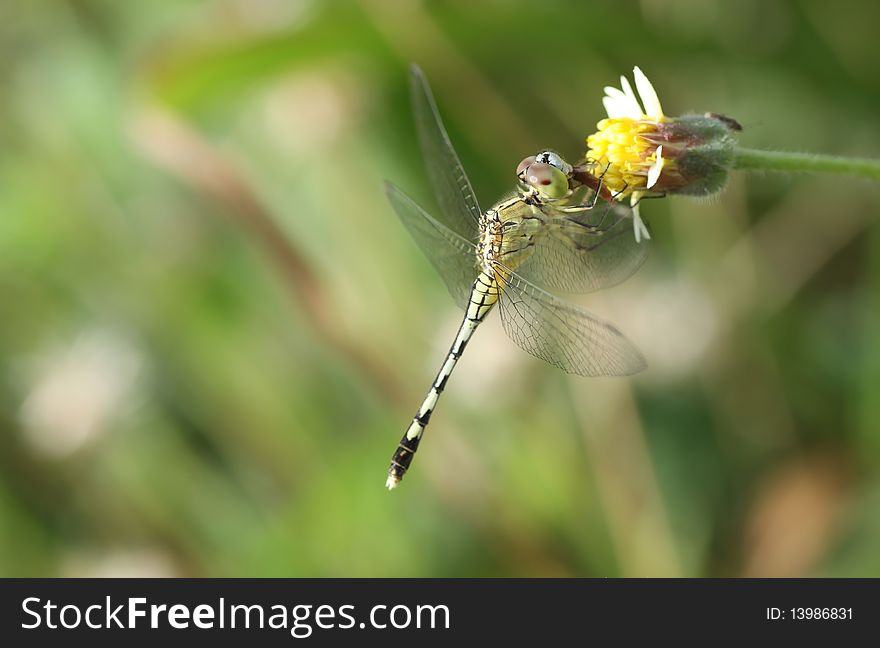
x,y
576,209
588,206
650,196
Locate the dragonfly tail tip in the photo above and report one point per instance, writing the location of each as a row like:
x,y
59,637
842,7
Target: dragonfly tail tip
x,y
391,482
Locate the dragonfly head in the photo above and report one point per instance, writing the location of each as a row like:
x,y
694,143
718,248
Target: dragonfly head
x,y
547,173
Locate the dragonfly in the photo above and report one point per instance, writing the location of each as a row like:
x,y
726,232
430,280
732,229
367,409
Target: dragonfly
x,y
558,232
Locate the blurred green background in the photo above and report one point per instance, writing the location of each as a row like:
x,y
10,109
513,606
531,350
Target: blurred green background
x,y
213,328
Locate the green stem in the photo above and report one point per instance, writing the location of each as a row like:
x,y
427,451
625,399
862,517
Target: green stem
x,y
805,163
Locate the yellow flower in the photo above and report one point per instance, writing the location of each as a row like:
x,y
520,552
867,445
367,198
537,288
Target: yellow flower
x,y
638,150
625,150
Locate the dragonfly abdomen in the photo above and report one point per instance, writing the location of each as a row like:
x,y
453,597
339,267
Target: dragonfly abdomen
x,y
484,295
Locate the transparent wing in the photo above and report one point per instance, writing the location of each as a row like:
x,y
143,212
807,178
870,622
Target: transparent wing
x,y
454,258
458,203
563,334
586,251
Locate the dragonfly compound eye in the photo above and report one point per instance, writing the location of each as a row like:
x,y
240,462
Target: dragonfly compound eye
x,y
553,159
525,164
547,179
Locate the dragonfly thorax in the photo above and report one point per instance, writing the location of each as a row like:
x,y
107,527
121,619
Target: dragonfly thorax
x,y
508,231
491,238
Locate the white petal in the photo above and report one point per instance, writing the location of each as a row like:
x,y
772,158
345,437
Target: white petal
x,y
610,106
619,104
649,96
614,92
617,107
656,168
628,91
640,230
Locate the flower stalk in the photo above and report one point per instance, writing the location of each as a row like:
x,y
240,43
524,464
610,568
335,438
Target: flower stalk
x,y
757,160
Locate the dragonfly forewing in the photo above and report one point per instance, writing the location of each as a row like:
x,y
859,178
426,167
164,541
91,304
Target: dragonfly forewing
x,y
452,256
459,209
